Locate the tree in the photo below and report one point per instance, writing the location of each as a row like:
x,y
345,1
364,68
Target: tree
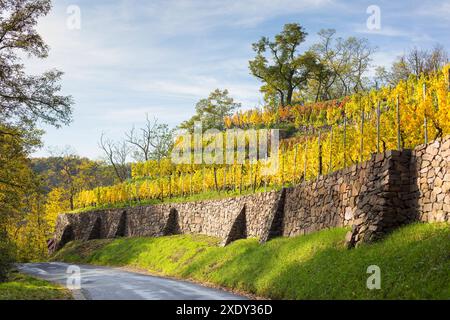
x,y
416,62
381,77
343,66
93,174
63,175
89,173
212,111
117,155
55,204
24,99
438,58
6,255
16,178
287,70
22,226
153,142
30,231
67,168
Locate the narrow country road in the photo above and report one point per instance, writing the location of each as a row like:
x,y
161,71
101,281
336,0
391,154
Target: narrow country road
x,y
103,283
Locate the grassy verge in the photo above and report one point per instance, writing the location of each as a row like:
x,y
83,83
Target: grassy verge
x,y
23,287
414,263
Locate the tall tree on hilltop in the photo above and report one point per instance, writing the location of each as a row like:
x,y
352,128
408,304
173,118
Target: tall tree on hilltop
x,y
279,65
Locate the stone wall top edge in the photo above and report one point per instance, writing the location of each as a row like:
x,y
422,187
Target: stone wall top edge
x,y
338,173
175,204
425,145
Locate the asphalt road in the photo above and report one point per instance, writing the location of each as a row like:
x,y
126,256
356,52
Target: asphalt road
x,y
103,283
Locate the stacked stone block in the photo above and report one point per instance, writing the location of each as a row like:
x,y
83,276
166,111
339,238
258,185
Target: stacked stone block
x,y
374,197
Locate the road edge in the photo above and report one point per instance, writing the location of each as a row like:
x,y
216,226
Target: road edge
x,y
78,295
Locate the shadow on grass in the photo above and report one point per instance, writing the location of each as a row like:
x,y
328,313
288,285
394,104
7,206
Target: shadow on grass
x,y
414,264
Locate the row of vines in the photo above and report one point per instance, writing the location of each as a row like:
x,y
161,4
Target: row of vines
x,y
331,136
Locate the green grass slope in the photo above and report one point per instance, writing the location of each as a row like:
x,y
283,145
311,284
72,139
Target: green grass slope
x,y
23,287
414,263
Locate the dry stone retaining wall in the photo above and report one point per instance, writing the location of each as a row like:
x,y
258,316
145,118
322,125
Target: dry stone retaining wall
x,y
374,197
213,217
430,166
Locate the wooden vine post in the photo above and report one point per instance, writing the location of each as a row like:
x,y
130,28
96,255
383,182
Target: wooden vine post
x,y
190,182
203,177
361,148
224,178
330,164
240,180
425,118
216,184
320,152
399,138
345,140
295,164
306,160
378,126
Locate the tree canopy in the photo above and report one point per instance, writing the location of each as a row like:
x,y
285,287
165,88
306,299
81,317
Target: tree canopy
x,y
344,65
25,101
153,141
212,110
24,98
280,66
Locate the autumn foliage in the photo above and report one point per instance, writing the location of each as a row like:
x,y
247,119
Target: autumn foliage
x,y
330,135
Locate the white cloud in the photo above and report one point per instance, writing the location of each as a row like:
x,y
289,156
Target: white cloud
x,y
187,16
198,86
439,9
124,39
137,115
388,31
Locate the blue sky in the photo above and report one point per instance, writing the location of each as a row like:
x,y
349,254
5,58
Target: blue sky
x,y
133,57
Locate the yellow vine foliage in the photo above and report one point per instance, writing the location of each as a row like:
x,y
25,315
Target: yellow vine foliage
x,y
334,134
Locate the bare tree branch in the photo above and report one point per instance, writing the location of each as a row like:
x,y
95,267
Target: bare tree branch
x,y
153,141
117,155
